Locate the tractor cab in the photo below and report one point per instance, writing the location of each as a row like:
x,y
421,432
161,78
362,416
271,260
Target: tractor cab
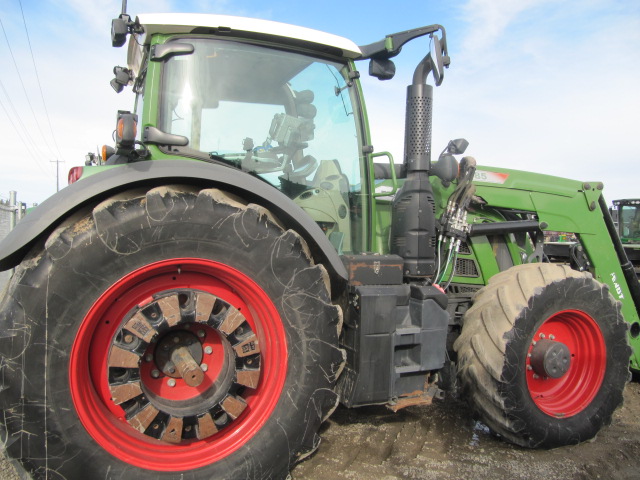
x,y
628,214
288,116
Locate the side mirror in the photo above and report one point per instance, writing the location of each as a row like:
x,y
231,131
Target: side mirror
x,y
382,68
437,61
434,62
457,146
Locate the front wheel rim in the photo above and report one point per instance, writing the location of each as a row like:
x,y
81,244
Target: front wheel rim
x,y
95,391
574,390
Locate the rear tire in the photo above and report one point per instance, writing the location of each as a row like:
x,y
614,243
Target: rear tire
x,y
543,355
87,390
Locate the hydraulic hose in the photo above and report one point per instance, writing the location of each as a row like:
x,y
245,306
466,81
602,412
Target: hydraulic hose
x,y
626,266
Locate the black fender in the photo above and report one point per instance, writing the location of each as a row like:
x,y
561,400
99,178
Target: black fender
x,y
90,190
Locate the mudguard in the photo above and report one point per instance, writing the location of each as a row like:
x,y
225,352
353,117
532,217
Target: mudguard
x,y
99,186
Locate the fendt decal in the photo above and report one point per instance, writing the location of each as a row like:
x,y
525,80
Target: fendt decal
x,y
616,286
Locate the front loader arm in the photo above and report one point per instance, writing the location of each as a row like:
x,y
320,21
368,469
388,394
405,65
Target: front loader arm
x,y
572,206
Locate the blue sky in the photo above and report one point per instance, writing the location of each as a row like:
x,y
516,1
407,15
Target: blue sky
x,y
551,86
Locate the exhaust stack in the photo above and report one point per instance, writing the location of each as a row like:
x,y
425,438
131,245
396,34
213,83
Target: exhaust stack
x,y
413,230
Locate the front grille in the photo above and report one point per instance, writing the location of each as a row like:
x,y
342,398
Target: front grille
x,y
466,267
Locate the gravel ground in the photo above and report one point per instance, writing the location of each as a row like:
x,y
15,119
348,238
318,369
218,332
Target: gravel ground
x,y
441,441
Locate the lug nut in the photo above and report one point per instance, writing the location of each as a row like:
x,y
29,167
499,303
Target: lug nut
x,y
552,337
176,339
204,367
149,357
201,333
171,382
208,350
542,335
155,373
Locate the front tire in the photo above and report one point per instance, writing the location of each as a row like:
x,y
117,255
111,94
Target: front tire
x,y
543,355
93,322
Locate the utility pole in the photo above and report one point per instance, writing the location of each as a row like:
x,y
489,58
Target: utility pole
x,y
57,162
12,205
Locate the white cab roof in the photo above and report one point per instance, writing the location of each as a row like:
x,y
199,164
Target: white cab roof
x,y
169,23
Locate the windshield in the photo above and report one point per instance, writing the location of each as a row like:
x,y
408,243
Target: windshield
x,y
284,117
630,222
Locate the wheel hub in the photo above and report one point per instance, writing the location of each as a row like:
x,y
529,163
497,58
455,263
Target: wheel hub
x,y
179,364
550,358
179,355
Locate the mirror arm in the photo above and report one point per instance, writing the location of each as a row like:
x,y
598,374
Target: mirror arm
x,y
393,43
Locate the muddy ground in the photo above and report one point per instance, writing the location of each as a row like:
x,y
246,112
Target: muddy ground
x,y
441,441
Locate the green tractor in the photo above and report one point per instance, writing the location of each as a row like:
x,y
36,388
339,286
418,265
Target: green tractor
x,y
627,213
197,305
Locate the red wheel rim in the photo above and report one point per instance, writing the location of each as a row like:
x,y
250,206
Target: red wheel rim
x,y
571,393
105,421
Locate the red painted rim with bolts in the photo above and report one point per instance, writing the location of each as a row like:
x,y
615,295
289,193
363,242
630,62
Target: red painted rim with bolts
x,y
566,363
178,364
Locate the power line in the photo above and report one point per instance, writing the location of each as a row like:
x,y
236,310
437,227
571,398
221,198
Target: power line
x,y
15,64
26,145
29,143
29,147
33,60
